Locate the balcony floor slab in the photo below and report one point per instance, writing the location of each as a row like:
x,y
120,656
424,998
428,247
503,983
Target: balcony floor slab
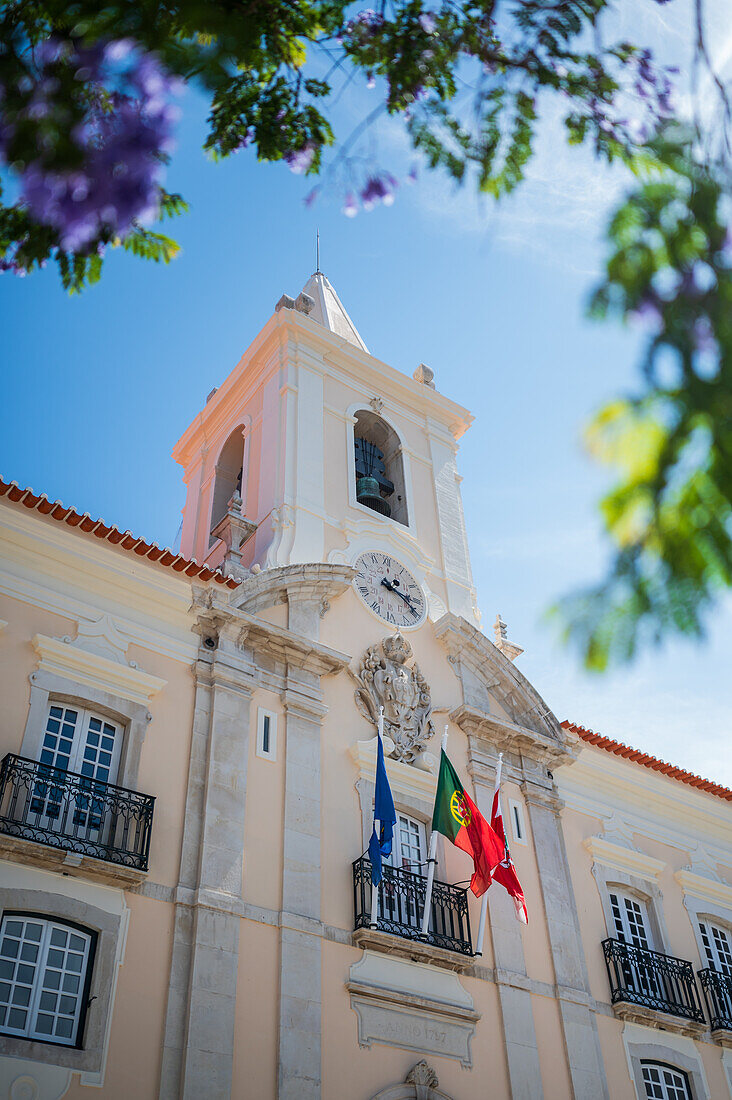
x,y
64,862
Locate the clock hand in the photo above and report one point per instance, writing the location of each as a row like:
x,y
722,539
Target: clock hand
x,y
393,588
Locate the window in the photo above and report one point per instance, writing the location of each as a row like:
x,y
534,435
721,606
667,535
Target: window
x,y
229,473
631,920
44,969
408,850
379,467
408,853
516,814
717,947
266,734
663,1082
76,740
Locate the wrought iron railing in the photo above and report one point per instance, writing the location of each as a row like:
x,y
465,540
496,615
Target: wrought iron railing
x,y
401,903
718,995
652,979
70,811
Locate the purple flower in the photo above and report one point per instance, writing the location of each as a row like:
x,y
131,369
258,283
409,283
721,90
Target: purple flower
x,y
412,174
350,206
311,196
378,188
121,150
300,160
370,82
427,22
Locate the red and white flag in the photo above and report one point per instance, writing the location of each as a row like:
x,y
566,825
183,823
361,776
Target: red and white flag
x,y
505,872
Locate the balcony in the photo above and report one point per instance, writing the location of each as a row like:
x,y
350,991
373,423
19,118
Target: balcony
x,y
644,983
718,995
63,821
401,903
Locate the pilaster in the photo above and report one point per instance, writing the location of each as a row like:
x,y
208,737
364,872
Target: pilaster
x,y
581,1039
199,1031
299,1062
522,1052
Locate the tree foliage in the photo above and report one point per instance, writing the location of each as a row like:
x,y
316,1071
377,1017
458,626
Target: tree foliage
x,y
87,115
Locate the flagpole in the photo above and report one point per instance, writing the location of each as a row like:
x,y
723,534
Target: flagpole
x,y
374,922
484,903
431,861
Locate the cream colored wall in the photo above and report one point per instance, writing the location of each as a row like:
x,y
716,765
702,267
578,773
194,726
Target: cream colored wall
x,y
17,662
133,1059
696,822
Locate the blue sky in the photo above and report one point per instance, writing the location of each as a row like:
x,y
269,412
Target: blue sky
x,y
99,387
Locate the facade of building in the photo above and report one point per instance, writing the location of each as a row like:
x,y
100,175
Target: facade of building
x,y
186,794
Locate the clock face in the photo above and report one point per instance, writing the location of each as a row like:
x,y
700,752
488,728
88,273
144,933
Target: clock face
x,y
389,589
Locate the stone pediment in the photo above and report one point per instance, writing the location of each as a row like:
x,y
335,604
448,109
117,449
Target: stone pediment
x,y
488,677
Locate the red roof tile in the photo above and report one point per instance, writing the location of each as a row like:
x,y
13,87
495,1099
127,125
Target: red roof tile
x,y
619,749
123,540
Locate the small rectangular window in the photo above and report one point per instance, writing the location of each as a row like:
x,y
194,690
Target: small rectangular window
x,y
266,734
518,828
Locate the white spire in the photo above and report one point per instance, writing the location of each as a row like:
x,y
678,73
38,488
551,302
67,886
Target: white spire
x,y
329,311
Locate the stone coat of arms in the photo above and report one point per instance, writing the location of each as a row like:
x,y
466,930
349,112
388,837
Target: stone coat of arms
x,y
386,680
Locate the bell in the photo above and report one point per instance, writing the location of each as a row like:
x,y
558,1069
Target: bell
x,y
367,493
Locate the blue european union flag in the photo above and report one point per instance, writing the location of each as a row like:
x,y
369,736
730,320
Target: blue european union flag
x,y
385,814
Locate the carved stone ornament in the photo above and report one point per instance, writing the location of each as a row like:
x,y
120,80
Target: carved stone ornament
x,y
386,680
422,1074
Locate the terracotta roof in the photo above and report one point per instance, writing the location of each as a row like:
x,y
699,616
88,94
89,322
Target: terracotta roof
x,y
619,749
123,540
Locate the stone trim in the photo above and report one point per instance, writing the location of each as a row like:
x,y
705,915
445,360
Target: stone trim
x,y
413,1006
64,658
719,894
643,1045
111,932
643,890
36,854
134,717
619,858
414,950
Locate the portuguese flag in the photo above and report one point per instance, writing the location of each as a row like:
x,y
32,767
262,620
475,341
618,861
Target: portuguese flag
x,y
458,818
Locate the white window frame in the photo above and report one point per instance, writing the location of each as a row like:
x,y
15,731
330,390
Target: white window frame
x,y
266,723
518,822
712,955
663,1069
395,859
43,968
625,933
80,741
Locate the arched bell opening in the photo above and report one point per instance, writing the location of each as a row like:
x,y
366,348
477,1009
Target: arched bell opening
x,y
229,473
379,467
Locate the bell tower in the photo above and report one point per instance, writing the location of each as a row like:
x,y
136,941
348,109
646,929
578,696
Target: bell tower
x,y
312,449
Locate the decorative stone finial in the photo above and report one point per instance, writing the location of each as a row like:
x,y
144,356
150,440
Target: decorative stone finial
x,y
376,404
425,375
234,530
500,633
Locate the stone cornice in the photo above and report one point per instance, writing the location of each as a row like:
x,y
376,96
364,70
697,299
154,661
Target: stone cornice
x,y
619,858
509,737
67,660
215,616
318,581
718,893
291,649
